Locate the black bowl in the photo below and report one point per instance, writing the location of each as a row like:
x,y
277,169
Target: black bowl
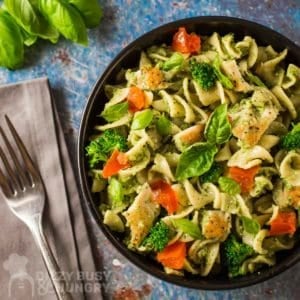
x,y
129,57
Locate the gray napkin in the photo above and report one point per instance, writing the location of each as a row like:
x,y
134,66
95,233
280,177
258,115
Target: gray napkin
x,y
23,274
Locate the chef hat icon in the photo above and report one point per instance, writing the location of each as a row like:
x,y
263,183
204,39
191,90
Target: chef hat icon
x,y
16,265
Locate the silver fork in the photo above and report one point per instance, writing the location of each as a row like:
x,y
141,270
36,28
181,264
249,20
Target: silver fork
x,y
23,190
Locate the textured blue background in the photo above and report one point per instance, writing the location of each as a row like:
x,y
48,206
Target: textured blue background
x,y
73,70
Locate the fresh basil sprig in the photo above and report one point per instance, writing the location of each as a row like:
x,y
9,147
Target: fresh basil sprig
x,y
196,160
188,227
66,19
163,125
11,42
229,186
31,20
250,225
90,11
218,128
24,21
115,112
142,119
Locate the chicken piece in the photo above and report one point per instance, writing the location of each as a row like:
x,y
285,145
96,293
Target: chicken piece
x,y
141,215
151,77
252,117
231,69
216,225
188,136
294,196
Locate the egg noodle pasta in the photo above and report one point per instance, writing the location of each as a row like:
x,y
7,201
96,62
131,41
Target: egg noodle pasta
x,y
196,156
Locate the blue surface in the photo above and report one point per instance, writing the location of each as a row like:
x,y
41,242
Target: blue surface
x,y
73,70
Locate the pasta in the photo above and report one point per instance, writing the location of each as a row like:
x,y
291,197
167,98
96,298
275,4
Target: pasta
x,y
194,155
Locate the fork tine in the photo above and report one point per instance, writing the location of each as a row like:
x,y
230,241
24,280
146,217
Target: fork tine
x,y
20,172
32,170
14,181
4,185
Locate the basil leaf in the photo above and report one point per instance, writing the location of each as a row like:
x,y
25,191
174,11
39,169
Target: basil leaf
x,y
115,193
115,112
250,225
66,19
90,10
188,227
142,119
174,61
163,125
28,38
229,186
225,81
31,20
196,160
11,42
218,128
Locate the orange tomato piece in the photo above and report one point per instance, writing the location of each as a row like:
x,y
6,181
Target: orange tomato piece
x,y
194,43
136,99
165,196
115,163
245,177
186,43
173,256
284,223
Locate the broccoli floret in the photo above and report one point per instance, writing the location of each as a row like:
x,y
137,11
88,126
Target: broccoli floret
x,y
234,254
213,174
99,149
157,238
204,74
291,140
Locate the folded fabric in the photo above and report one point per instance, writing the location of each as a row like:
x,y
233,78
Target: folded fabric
x,y
31,108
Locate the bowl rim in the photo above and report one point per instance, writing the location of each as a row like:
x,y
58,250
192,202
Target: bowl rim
x,y
201,283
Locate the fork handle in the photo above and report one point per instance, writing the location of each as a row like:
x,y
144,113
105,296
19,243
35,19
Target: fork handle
x,y
53,269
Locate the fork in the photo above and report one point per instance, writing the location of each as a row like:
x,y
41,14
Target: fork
x,y
24,192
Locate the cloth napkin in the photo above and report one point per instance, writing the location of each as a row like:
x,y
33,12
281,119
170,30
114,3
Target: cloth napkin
x,y
23,275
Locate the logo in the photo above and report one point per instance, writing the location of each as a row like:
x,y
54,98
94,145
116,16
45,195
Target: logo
x,y
39,284
19,278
